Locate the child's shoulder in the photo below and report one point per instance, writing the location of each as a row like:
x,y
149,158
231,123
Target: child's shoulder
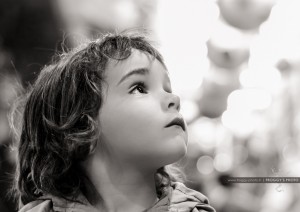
x,y
181,189
49,203
37,206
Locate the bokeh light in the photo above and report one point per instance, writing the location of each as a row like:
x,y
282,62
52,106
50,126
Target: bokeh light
x,y
223,162
205,165
247,100
267,78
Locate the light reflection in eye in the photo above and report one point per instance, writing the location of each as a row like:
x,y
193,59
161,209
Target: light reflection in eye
x,y
138,85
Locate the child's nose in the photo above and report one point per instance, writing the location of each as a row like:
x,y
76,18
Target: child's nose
x,y
174,102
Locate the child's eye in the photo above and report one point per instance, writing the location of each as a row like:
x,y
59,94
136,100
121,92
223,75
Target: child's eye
x,y
139,87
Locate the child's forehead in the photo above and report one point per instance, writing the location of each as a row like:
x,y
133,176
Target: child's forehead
x,y
138,59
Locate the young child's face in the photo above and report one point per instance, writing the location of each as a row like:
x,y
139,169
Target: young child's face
x,y
133,116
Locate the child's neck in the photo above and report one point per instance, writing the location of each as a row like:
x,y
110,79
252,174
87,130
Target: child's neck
x,y
120,187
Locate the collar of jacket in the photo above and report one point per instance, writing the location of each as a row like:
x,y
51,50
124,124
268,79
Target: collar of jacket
x,y
177,198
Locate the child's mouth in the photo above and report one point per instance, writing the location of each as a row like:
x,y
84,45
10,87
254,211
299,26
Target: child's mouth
x,y
177,121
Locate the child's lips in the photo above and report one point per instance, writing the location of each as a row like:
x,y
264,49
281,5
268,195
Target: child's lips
x,y
177,121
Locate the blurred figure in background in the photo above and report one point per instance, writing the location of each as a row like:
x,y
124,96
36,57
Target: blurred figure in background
x,y
9,89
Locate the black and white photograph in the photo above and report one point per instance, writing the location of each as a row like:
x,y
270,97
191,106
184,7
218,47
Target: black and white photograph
x,y
149,106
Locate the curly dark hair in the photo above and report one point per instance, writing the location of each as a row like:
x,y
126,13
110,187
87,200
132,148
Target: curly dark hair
x,y
59,126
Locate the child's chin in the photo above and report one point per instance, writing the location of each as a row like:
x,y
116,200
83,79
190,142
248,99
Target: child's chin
x,y
182,152
176,154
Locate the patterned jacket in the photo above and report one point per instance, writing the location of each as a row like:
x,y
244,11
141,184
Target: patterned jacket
x,y
178,198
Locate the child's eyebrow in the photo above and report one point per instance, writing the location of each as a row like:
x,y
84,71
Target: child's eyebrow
x,y
138,71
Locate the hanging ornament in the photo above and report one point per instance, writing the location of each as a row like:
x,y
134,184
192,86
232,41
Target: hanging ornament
x,y
245,14
228,47
217,85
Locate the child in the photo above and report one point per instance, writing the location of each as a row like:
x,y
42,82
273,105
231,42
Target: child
x,y
99,128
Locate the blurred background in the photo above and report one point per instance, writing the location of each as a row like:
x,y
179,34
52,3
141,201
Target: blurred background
x,y
234,63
